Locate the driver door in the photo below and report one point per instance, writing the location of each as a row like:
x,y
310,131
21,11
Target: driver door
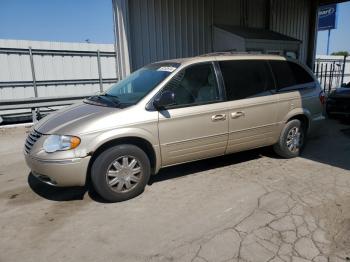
x,y
196,127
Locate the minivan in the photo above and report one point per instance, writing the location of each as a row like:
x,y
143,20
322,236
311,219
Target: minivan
x,y
172,112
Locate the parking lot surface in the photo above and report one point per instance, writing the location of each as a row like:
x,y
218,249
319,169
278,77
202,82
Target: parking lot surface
x,y
250,206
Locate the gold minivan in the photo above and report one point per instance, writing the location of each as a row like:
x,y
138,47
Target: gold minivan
x,y
172,112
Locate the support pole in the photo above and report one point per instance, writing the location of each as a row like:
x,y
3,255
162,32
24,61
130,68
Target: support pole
x,y
34,116
329,36
343,70
33,71
312,32
99,70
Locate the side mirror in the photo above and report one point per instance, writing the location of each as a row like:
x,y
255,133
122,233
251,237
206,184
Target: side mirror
x,y
167,98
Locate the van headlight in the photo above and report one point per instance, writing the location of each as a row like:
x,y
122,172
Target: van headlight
x,y
60,143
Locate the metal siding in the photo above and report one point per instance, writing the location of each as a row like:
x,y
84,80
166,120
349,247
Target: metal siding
x,y
165,29
256,13
250,13
227,12
291,18
16,67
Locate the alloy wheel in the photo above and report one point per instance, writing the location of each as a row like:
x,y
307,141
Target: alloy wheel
x,y
294,139
124,174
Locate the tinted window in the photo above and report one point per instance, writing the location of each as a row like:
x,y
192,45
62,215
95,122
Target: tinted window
x,y
301,76
246,78
195,85
288,74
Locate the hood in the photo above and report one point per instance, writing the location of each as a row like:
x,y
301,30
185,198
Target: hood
x,y
76,119
342,92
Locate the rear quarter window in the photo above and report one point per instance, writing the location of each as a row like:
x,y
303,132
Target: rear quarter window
x,y
288,74
246,78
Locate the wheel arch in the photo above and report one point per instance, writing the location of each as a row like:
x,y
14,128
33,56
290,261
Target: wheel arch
x,y
142,143
300,114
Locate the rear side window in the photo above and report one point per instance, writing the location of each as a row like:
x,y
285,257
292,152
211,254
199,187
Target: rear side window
x,y
289,74
246,78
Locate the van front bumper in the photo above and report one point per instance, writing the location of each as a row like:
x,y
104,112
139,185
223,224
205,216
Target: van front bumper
x,y
63,172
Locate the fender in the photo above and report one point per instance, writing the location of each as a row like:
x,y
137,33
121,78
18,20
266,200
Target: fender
x,y
297,111
144,134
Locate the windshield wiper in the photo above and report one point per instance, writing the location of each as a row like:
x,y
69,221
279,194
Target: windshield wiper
x,y
114,98
109,95
104,99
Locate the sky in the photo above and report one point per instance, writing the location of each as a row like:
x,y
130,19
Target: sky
x,y
57,20
340,37
78,20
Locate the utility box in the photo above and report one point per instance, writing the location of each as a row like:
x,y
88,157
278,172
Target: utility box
x,y
254,40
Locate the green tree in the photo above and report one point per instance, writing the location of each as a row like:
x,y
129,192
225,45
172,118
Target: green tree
x,y
342,53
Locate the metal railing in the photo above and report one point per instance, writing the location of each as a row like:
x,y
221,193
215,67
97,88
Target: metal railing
x,y
34,104
331,73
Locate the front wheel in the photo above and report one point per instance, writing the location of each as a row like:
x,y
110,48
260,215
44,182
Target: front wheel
x,y
120,173
291,140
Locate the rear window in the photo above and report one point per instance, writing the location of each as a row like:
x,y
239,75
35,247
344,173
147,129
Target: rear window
x,y
246,78
288,74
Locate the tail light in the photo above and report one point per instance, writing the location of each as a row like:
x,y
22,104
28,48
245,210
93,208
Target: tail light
x,y
322,98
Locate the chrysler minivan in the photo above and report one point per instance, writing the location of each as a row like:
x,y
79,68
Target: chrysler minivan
x,y
172,112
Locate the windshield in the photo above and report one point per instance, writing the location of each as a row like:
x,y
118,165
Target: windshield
x,y
137,85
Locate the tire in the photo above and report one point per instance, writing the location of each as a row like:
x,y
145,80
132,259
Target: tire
x,y
116,179
282,149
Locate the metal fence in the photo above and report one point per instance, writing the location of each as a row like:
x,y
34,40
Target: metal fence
x,y
332,71
34,78
35,83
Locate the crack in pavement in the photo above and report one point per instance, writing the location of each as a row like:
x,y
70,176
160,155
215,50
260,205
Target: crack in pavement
x,y
280,227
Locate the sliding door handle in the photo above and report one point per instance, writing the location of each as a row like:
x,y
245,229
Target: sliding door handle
x,y
235,115
218,117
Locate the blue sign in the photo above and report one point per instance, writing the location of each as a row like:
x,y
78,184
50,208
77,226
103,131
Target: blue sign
x,y
327,16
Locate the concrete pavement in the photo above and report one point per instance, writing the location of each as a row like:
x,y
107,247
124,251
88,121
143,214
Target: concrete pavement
x,y
250,206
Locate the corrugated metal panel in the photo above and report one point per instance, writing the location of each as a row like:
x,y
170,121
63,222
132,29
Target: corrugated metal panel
x,y
165,29
288,17
246,13
227,12
16,67
291,17
256,13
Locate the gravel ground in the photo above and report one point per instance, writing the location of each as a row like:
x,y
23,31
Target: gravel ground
x,y
250,206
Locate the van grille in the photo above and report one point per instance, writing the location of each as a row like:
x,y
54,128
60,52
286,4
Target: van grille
x,y
31,139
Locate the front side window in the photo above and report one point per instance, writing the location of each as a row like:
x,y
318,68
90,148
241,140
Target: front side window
x,y
288,74
246,78
195,85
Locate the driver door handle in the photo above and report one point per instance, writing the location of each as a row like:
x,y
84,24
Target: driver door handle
x,y
218,117
238,114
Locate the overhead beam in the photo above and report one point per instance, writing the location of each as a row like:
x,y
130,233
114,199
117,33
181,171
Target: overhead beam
x,y
326,2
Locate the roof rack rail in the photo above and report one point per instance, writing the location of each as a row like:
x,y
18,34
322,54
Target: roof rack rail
x,y
223,53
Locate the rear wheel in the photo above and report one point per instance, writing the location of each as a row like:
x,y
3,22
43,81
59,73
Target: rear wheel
x,y
291,140
120,173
